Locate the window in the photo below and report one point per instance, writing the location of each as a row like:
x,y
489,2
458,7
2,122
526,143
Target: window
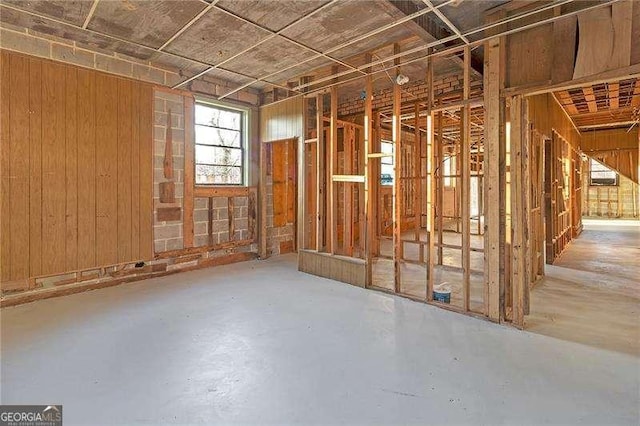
x,y
601,175
220,145
387,171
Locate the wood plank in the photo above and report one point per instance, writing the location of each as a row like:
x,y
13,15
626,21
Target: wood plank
x,y
146,172
595,42
189,171
53,153
614,95
492,140
251,215
564,50
221,191
590,97
465,169
167,164
19,158
262,235
231,214
519,278
279,183
135,171
621,18
71,168
86,168
107,169
292,145
348,140
35,167
320,176
124,170
169,214
397,201
370,180
5,166
332,158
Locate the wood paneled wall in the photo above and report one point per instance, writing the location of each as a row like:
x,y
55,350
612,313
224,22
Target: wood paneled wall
x,y
282,120
76,172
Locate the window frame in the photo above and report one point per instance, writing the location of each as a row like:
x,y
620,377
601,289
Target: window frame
x,y
591,171
245,119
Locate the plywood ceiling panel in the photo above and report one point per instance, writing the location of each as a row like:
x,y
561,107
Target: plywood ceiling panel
x,y
146,22
216,37
71,11
273,15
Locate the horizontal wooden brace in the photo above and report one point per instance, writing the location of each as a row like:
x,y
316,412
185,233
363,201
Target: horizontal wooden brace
x,y
348,178
221,191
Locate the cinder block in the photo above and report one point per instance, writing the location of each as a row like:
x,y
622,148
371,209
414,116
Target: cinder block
x,y
165,232
72,55
22,42
175,244
147,73
113,65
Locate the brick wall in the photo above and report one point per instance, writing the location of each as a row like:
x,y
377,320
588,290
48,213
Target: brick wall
x,y
446,86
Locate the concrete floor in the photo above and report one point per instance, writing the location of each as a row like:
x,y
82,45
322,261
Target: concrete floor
x,y
591,294
261,343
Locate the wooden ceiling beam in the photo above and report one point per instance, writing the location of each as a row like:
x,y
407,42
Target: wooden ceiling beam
x,y
567,102
635,100
614,95
590,98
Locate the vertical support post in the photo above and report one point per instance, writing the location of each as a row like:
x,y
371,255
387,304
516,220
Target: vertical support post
x,y
465,168
332,210
492,166
231,215
417,175
431,188
262,247
347,143
189,171
519,194
210,219
397,188
368,179
320,173
440,185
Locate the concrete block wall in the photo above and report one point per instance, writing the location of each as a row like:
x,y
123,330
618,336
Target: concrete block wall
x,y
168,235
624,199
59,49
446,86
220,220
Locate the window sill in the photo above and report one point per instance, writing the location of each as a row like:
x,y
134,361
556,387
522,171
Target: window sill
x,y
220,191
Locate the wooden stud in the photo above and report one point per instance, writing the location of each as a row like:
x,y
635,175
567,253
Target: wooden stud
x,y
397,188
465,169
370,180
320,174
332,158
189,171
492,166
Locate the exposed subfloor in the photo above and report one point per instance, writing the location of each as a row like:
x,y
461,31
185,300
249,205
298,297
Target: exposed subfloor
x,y
259,342
591,294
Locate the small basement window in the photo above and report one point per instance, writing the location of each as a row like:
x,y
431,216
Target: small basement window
x,y
220,145
601,175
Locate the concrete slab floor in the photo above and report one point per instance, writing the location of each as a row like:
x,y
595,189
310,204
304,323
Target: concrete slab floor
x,y
591,294
260,343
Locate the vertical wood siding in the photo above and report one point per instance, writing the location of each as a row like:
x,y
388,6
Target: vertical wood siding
x,y
76,168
